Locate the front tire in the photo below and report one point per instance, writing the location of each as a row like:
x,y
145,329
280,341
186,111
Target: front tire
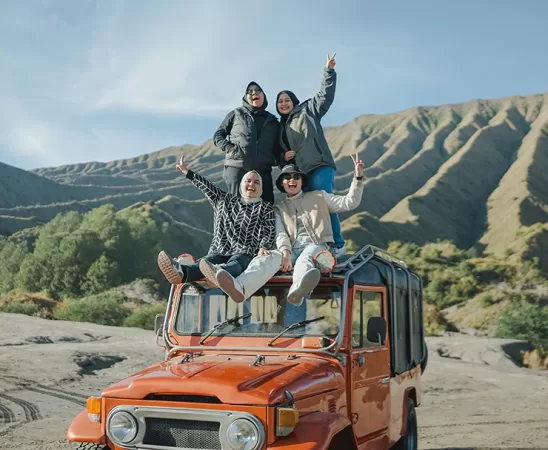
x,y
409,441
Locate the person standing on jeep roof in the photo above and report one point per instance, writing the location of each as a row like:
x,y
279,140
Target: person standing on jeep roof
x,y
303,225
248,136
303,142
243,234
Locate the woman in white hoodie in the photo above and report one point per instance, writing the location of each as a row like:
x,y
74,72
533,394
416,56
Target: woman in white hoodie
x,y
303,225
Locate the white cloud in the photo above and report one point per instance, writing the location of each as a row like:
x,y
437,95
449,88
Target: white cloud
x,y
69,67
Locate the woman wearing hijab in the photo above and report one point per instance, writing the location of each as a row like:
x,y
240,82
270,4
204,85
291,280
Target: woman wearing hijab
x,y
248,136
243,230
303,141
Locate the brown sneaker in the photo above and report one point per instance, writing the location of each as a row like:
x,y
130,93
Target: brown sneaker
x,y
170,268
210,271
230,286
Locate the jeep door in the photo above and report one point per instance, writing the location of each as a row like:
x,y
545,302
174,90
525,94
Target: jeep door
x,y
370,367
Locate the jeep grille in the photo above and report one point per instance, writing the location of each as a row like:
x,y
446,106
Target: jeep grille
x,y
182,433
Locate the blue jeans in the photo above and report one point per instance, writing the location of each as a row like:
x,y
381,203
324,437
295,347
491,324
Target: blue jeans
x,y
323,179
233,264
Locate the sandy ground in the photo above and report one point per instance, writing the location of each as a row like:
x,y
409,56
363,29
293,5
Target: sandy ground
x,y
474,396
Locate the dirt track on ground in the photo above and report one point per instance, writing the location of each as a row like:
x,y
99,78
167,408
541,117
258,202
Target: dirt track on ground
x,y
474,396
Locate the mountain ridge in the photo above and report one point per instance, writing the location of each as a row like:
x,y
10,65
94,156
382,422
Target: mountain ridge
x,y
472,172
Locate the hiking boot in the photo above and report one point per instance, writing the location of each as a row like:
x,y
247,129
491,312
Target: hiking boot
x,y
307,284
230,286
172,270
209,270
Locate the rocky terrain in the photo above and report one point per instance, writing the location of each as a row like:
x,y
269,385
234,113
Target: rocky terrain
x,y
474,395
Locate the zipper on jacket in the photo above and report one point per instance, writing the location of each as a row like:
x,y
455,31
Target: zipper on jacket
x,y
257,135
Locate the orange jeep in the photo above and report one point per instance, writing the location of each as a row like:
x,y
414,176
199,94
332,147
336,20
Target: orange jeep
x,y
341,371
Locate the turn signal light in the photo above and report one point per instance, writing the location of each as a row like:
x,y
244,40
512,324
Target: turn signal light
x,y
286,420
93,407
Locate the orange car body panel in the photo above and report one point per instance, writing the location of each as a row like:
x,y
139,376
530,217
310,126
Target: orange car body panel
x,y
84,430
313,432
329,396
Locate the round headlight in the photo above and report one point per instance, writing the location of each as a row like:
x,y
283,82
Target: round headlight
x,y
242,434
123,427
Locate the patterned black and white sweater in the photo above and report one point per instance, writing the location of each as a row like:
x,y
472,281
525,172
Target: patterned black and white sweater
x,y
238,227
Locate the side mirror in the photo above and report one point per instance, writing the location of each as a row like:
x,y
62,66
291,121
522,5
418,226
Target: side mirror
x,y
159,324
376,330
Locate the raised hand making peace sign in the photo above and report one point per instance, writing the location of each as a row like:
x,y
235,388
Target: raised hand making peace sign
x,y
330,61
358,165
181,165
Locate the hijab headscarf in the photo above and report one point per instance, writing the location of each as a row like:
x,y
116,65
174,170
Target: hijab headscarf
x,y
293,98
283,117
242,188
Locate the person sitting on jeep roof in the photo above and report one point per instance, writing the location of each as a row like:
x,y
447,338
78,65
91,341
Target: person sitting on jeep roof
x,y
243,229
252,143
303,225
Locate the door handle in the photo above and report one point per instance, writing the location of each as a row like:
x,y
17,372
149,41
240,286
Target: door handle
x,y
385,380
361,360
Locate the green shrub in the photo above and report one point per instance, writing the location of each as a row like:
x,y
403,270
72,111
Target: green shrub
x,y
30,309
105,309
525,321
30,303
143,317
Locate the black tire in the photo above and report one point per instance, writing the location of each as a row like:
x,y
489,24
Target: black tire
x,y
89,446
424,361
409,441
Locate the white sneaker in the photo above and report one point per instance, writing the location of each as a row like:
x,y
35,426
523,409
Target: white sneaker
x,y
339,251
307,284
210,271
230,286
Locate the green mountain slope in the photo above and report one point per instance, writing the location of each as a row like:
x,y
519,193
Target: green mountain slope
x,y
474,173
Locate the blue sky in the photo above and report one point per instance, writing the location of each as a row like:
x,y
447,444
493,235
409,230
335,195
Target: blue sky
x,y
101,80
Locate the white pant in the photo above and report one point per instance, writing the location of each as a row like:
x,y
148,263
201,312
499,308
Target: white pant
x,y
259,271
303,259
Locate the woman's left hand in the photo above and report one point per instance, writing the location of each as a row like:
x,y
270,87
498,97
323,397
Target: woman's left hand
x,y
290,155
263,251
358,165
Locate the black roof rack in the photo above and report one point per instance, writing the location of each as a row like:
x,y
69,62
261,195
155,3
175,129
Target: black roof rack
x,y
354,261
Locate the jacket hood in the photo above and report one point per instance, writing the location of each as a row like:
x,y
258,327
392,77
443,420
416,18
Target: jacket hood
x,y
245,104
233,379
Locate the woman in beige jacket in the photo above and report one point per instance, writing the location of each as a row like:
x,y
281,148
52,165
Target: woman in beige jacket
x,y
303,225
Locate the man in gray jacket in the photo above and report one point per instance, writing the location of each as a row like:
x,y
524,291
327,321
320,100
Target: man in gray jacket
x,y
303,225
248,135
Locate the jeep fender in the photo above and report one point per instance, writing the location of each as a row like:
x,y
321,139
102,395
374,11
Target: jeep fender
x,y
84,430
313,432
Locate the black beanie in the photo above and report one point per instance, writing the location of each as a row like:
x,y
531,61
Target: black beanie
x,y
293,98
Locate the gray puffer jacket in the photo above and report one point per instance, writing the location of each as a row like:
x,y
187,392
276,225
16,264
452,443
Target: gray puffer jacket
x,y
304,130
253,138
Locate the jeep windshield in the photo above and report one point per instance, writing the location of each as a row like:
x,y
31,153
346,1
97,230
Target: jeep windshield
x,y
265,315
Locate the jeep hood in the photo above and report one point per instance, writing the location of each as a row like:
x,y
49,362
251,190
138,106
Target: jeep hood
x,y
233,378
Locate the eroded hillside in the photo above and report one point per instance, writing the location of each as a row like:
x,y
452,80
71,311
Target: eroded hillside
x,y
475,173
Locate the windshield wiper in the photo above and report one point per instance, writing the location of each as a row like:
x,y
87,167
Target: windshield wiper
x,y
222,324
294,325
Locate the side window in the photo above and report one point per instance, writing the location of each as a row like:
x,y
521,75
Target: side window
x,y
366,305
